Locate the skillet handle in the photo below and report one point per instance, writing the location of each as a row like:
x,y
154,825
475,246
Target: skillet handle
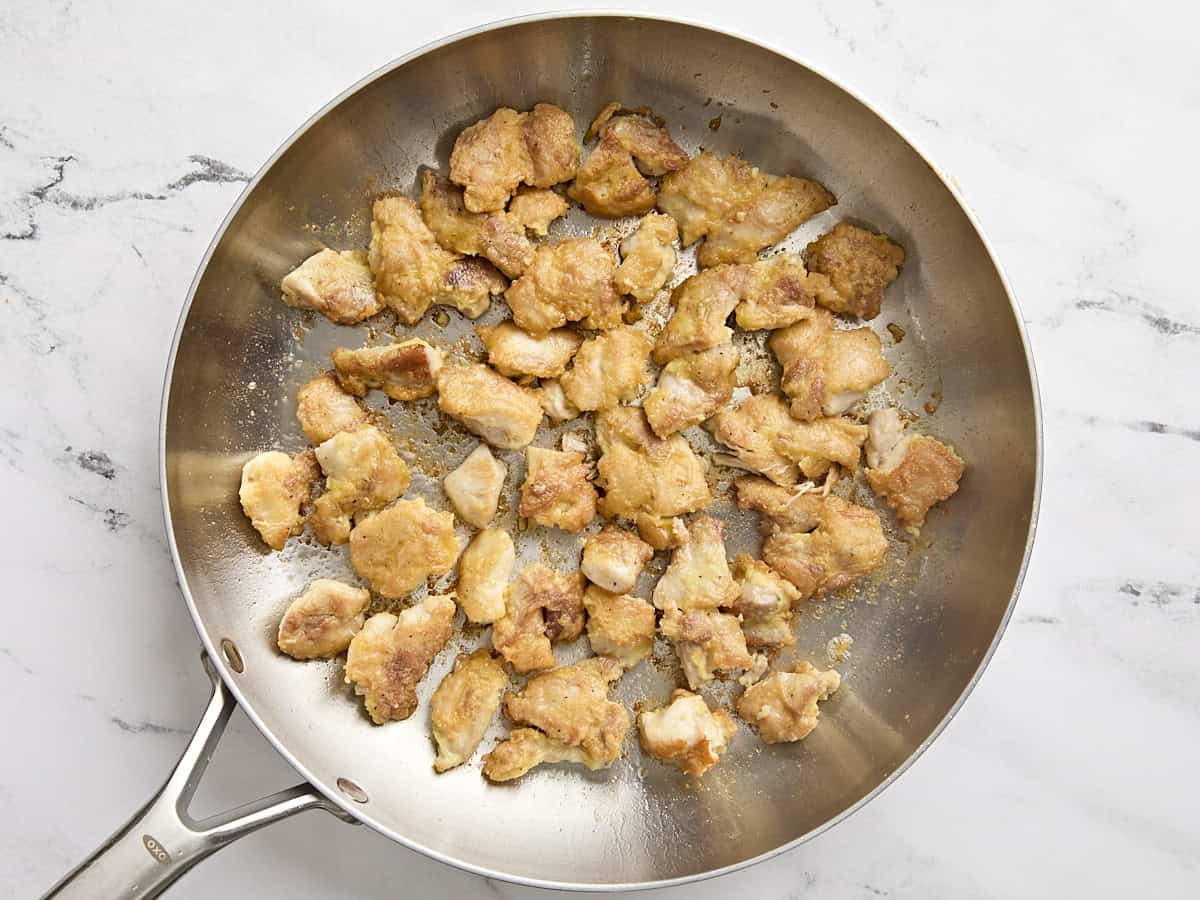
x,y
162,841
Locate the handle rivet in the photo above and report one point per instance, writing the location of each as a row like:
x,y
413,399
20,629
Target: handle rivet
x,y
233,656
352,790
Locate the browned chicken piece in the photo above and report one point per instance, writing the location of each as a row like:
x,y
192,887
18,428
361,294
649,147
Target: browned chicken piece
x,y
691,388
787,509
363,472
337,284
661,532
619,625
494,156
686,733
484,570
859,265
764,603
274,487
767,440
706,642
780,292
556,492
320,623
826,370
609,369
413,272
324,409
536,208
644,474
554,401
702,304
541,606
739,209
698,576
567,282
913,472
404,371
391,654
631,144
647,257
515,352
474,487
613,558
396,549
504,414
823,544
522,750
570,705
783,706
464,705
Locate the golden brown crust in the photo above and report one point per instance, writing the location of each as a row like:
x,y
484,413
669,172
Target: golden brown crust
x,y
647,257
783,706
541,606
698,576
484,570
515,352
691,388
321,622
609,369
613,558
524,749
706,642
464,705
397,549
489,405
363,472
701,303
337,284
324,409
764,603
404,371
780,292
619,625
556,492
686,733
919,472
496,236
567,281
645,474
859,265
274,488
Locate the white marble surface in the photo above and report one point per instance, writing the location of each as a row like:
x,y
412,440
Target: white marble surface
x,y
126,131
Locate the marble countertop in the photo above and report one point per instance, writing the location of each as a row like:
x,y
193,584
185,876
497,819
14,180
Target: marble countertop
x,y
127,131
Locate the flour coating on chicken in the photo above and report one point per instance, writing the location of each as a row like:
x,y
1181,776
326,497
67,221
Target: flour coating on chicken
x,y
686,733
613,558
514,352
404,371
541,606
859,264
321,622
912,472
779,292
569,281
783,706
474,487
337,284
489,405
698,576
701,304
556,492
706,642
691,388
324,409
464,706
608,369
554,401
396,549
764,603
484,570
363,472
274,488
647,258
619,625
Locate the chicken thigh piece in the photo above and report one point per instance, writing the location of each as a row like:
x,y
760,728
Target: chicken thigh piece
x,y
554,401
826,370
324,409
686,733
474,487
556,492
739,209
274,487
404,371
484,570
691,388
541,606
764,603
569,281
321,622
413,272
391,654
613,558
647,257
398,548
706,642
514,352
698,576
702,304
337,284
619,625
489,405
464,705
859,265
779,292
783,706
363,472
912,472
524,749
609,369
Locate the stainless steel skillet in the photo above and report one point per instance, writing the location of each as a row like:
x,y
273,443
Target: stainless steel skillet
x,y
923,632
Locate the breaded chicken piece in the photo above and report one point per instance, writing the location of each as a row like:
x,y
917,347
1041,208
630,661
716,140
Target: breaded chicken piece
x,y
821,544
567,282
702,304
274,487
613,558
691,388
609,369
826,370
484,570
738,208
661,532
363,472
780,292
764,603
391,654
397,549
554,401
647,257
859,265
337,284
514,352
404,371
619,625
535,208
631,144
489,405
464,705
783,706
522,750
913,472
474,487
706,642
767,440
686,733
556,492
494,156
698,576
324,409
570,705
541,606
644,474
320,623
413,272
